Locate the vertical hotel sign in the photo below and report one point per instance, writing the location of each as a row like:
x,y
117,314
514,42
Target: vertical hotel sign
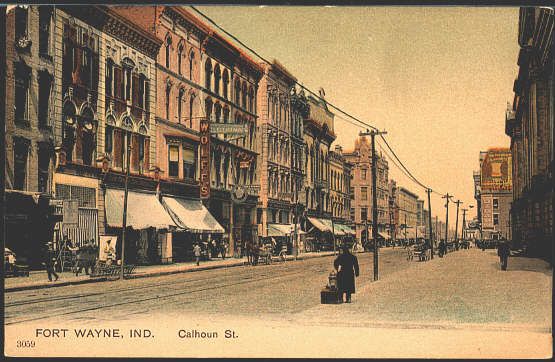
x,y
204,159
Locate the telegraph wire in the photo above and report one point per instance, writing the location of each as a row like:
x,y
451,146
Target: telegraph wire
x,y
361,124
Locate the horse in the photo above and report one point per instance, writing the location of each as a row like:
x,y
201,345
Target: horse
x,y
86,258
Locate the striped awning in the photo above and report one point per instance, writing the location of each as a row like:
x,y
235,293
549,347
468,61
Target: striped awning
x,y
192,215
143,210
319,224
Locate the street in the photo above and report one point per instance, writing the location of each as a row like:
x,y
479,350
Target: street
x,y
449,290
277,289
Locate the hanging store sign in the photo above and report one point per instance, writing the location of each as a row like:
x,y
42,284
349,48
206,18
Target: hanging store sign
x,y
70,213
204,159
239,193
229,129
244,164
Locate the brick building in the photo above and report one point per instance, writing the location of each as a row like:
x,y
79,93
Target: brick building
x,y
361,188
529,123
280,152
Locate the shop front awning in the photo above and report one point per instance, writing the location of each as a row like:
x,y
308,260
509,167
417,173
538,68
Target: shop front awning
x,y
336,228
143,210
319,224
411,234
192,215
384,235
346,229
283,229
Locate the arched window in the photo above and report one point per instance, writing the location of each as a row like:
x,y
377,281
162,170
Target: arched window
x,y
251,99
168,48
168,93
86,131
179,58
180,104
237,92
225,81
68,130
226,115
208,108
109,77
217,77
244,95
208,74
191,100
109,134
218,112
191,61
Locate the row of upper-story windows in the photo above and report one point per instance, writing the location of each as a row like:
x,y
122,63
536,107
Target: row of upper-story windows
x,y
124,83
183,61
22,33
23,100
217,81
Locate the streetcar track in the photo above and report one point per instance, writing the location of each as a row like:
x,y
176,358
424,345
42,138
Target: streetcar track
x,y
151,298
137,288
245,280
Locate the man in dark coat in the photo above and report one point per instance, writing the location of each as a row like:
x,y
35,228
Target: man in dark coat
x,y
346,265
503,251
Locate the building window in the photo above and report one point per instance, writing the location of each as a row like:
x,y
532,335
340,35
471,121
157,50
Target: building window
x,y
495,219
45,85
208,74
87,132
119,148
251,100
364,193
21,12
43,167
225,81
244,96
191,60
168,91
21,153
180,104
173,161
352,213
168,48
237,92
22,77
45,15
109,80
217,76
179,58
189,162
143,92
108,139
127,80
496,204
363,214
191,100
363,173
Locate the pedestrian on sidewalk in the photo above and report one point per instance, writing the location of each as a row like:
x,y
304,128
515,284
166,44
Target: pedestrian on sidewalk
x,y
50,263
197,251
346,265
503,251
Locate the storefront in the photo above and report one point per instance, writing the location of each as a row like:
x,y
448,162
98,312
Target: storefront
x,y
195,224
284,235
149,226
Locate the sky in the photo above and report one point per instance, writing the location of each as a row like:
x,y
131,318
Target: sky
x,y
437,79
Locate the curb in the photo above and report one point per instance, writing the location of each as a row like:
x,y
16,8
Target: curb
x,y
147,274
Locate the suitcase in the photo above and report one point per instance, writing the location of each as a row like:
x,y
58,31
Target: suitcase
x,y
330,296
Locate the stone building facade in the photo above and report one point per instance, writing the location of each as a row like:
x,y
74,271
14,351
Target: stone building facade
x,y
280,149
30,90
408,213
529,123
361,188
340,186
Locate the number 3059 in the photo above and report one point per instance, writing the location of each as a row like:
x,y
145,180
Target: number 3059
x,y
25,344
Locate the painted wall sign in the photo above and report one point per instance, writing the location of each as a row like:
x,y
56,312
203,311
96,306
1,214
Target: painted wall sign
x,y
204,159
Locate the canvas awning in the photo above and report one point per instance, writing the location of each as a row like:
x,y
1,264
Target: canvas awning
x,y
346,229
336,228
411,234
319,224
283,229
384,235
192,215
143,210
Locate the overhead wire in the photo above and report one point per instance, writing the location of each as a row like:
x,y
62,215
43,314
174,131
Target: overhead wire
x,y
352,119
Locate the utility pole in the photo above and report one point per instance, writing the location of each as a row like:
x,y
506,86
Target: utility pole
x,y
458,202
464,210
430,223
373,134
126,192
447,197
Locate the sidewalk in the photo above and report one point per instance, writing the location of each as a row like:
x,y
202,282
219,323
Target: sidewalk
x,y
39,279
466,289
